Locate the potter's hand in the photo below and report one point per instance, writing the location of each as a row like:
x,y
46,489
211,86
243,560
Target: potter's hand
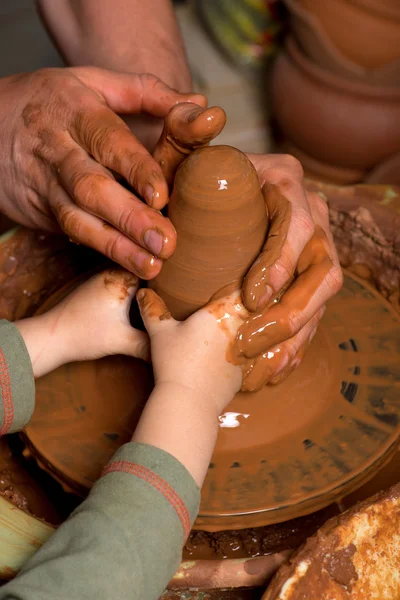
x,y
299,256
195,354
92,322
61,140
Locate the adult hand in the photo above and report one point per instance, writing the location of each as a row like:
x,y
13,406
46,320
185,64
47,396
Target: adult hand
x,y
297,271
61,142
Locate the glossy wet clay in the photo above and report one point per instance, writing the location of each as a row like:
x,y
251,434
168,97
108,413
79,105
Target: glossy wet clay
x,y
219,213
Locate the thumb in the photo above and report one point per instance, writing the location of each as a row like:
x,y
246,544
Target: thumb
x,y
129,93
153,310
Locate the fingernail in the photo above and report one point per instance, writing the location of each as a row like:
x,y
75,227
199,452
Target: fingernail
x,y
153,240
265,297
140,294
149,194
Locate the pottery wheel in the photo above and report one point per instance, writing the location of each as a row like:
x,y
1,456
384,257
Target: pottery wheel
x,y
283,452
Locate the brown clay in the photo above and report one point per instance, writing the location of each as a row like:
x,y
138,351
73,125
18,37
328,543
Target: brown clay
x,y
313,38
17,485
187,127
387,172
336,121
353,556
220,217
320,171
367,34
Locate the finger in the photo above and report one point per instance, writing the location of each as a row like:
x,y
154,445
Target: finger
x,y
317,282
186,127
105,136
291,228
276,364
133,342
83,228
95,190
129,93
154,311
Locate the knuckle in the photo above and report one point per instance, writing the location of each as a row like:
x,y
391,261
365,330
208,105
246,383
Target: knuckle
x,y
334,279
87,187
150,80
69,221
304,224
111,247
126,220
293,165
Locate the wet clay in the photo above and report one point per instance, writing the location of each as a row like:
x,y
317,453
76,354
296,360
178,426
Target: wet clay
x,y
219,214
17,485
355,555
34,264
258,541
282,452
187,127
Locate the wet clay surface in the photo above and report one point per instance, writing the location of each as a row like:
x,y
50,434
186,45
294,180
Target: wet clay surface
x,y
365,222
32,266
219,214
258,541
18,486
187,127
283,452
355,555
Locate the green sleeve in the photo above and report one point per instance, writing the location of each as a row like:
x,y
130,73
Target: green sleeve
x,y
17,386
124,541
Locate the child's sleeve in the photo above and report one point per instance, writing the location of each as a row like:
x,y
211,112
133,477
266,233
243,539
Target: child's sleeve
x,y
125,541
17,386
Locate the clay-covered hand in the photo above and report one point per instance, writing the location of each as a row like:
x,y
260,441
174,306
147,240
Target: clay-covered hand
x,y
196,353
61,144
296,273
91,322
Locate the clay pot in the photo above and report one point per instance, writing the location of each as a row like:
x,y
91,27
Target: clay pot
x,y
315,169
218,211
365,32
317,45
388,172
338,122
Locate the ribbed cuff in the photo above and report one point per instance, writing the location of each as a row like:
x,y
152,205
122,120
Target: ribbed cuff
x,y
17,384
164,473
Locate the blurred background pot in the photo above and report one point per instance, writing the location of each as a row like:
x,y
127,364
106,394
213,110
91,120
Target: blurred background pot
x,y
365,31
338,122
387,172
317,45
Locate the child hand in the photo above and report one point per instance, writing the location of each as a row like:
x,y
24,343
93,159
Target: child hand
x,y
195,353
91,322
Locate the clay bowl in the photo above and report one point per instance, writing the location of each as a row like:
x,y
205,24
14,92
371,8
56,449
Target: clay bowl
x,y
338,122
367,33
387,172
319,47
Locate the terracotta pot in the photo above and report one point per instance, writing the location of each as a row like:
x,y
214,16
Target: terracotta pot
x,y
367,33
315,169
339,122
387,172
316,43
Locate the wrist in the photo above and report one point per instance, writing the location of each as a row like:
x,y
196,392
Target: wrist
x,y
44,342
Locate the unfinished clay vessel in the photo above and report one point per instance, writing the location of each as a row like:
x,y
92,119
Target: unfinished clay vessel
x,y
220,217
321,49
367,33
338,122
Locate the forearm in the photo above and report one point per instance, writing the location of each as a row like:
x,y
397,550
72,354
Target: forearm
x,y
124,541
187,430
44,343
123,35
